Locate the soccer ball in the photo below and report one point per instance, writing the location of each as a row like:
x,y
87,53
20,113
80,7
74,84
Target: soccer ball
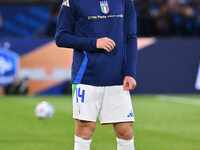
x,y
44,110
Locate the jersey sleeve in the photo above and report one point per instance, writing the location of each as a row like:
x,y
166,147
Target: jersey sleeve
x,y
64,32
131,40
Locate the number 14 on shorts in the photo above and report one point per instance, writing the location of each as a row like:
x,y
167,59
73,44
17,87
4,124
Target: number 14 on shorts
x,y
80,95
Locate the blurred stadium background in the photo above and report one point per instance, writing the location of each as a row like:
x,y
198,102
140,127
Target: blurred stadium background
x,y
166,100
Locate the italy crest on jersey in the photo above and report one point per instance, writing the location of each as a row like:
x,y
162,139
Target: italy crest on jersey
x,y
104,7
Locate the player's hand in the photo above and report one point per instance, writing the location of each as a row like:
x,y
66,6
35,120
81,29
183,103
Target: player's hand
x,y
106,44
129,83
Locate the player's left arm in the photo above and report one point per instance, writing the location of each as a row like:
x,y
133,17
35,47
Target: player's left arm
x,y
131,47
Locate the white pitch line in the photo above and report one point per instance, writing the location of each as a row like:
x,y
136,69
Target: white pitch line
x,y
178,99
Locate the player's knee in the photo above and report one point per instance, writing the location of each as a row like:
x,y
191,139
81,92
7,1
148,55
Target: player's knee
x,y
125,134
85,130
125,131
88,130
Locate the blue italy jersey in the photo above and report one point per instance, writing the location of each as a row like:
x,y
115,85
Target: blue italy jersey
x,y
79,26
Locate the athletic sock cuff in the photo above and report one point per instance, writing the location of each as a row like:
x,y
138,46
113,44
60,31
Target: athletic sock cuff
x,y
80,140
125,142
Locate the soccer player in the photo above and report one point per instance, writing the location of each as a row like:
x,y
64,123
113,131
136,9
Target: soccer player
x,y
103,36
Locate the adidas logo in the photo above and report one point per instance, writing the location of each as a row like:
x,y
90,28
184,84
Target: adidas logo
x,y
66,3
130,114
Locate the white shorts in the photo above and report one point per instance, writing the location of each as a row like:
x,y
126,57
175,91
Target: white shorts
x,y
110,103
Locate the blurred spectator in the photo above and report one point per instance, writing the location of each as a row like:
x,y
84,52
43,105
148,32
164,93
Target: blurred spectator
x,y
189,20
174,18
198,18
51,26
163,22
146,22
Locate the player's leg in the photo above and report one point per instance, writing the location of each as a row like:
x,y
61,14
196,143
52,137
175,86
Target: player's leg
x,y
124,130
86,105
83,134
84,129
117,109
124,133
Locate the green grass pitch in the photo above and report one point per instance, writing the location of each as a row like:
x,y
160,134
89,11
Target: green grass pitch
x,y
162,123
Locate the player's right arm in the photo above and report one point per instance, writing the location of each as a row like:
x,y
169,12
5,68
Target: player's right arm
x,y
64,32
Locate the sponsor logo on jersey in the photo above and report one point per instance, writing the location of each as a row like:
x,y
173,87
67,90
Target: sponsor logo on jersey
x,y
104,7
